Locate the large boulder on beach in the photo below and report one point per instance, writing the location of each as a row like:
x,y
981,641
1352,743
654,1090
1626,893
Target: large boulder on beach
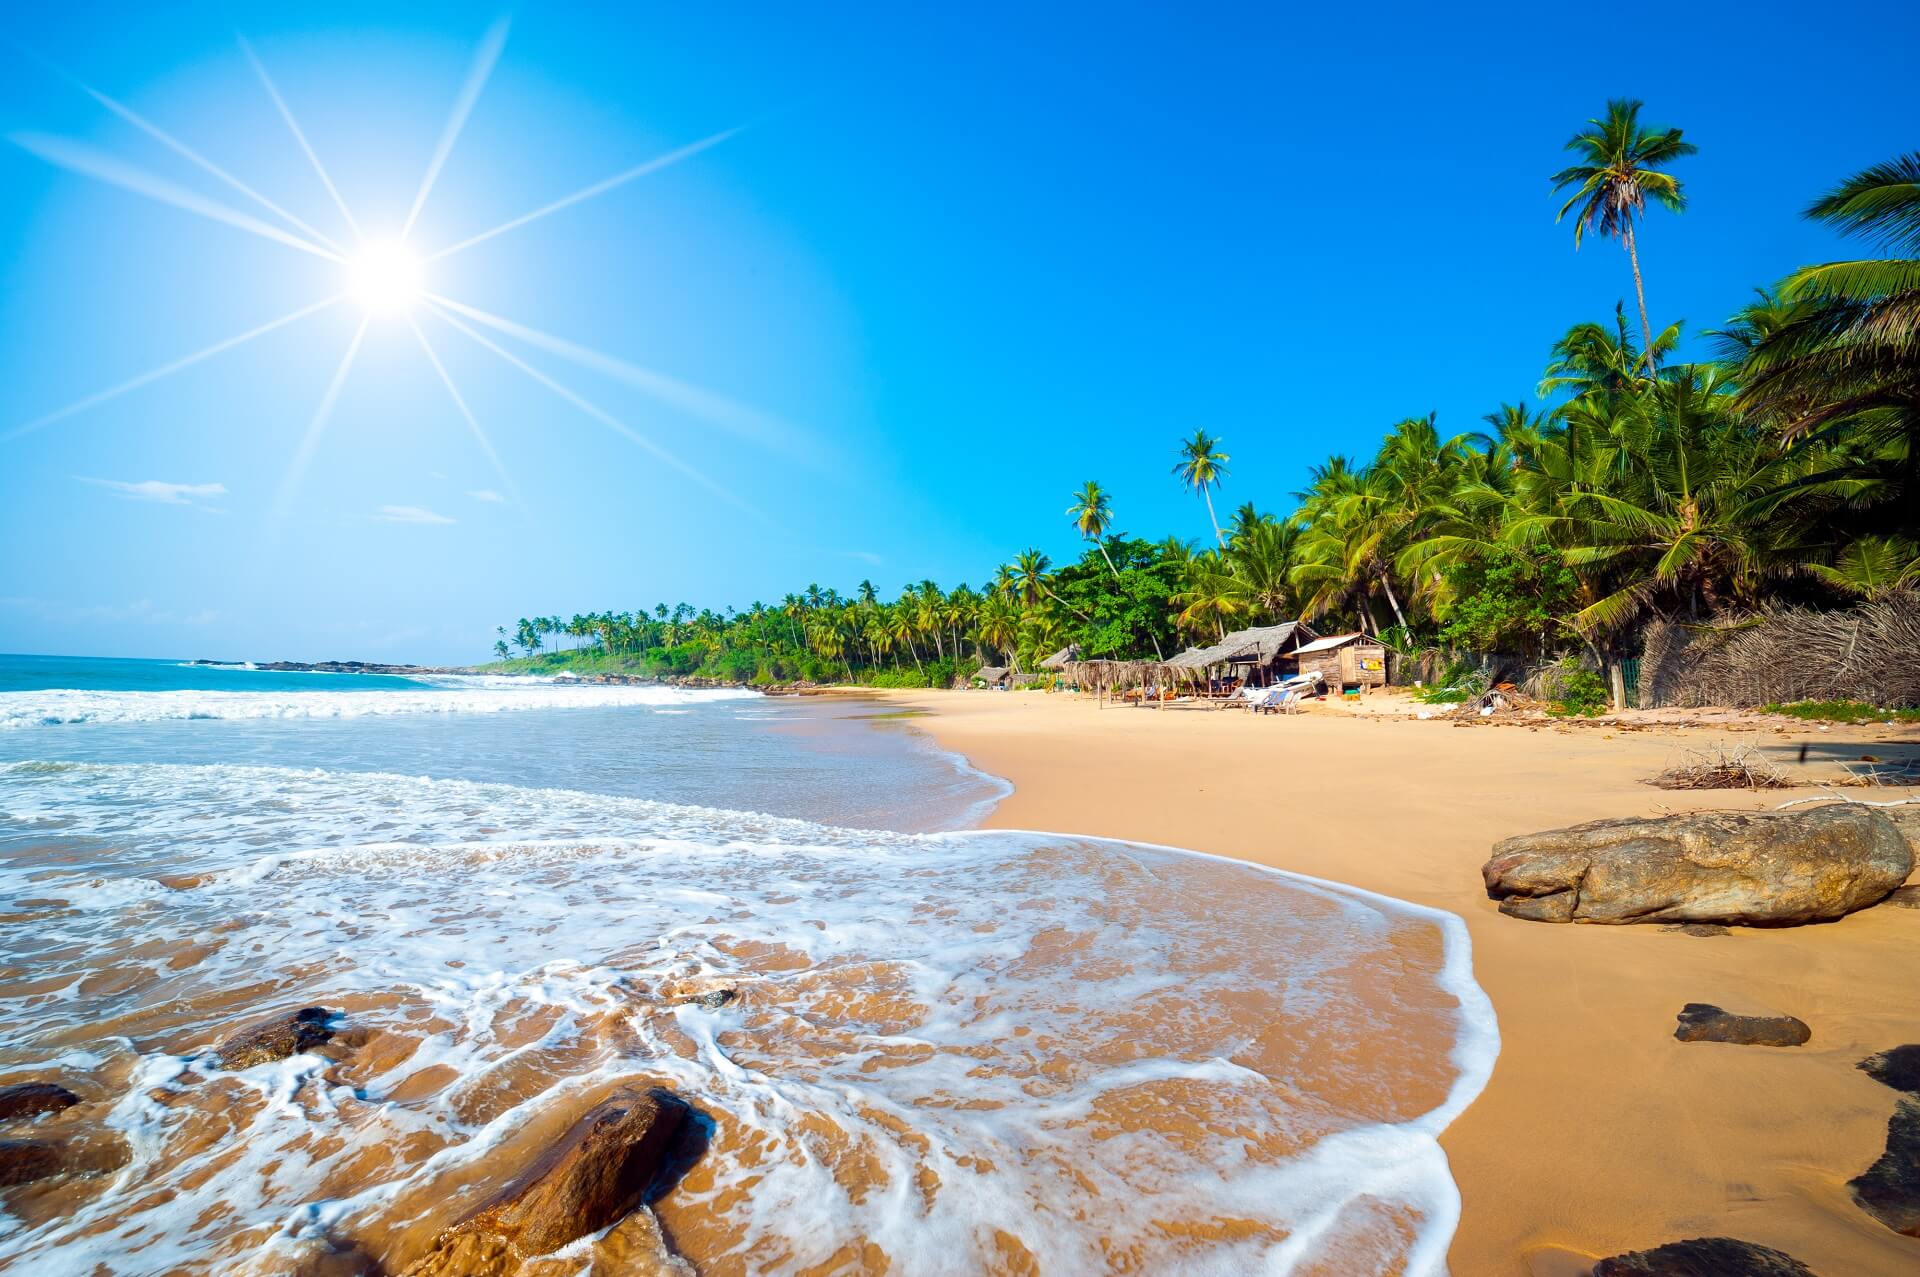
x,y
1704,1257
294,1033
1758,868
1889,1190
593,1178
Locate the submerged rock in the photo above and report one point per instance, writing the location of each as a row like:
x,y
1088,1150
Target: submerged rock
x,y
24,1161
1898,1068
283,1036
1703,1022
1713,866
1889,1190
591,1179
25,1099
1704,1257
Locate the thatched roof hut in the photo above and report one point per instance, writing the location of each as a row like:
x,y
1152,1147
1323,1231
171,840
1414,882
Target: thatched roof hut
x,y
1062,658
993,675
1259,647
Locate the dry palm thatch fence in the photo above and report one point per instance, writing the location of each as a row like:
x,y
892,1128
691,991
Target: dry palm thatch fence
x,y
1868,653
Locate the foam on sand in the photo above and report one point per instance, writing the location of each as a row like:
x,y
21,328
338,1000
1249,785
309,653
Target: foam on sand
x,y
952,1049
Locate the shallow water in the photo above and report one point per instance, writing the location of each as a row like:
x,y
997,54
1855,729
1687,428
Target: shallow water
x,y
950,1051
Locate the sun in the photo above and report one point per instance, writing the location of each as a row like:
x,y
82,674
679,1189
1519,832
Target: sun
x,y
385,277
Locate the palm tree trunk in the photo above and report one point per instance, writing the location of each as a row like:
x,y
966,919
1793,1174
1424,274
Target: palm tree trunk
x,y
1640,294
1386,583
1208,498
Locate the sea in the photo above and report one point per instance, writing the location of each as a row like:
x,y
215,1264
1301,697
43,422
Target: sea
x,y
912,1044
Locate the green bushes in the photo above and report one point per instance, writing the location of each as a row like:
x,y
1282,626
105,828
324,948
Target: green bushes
x,y
1843,712
1583,693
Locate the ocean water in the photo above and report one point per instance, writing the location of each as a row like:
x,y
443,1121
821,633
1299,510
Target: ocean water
x,y
948,1050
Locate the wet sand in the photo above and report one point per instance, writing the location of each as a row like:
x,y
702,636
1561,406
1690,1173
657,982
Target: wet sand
x,y
1599,1133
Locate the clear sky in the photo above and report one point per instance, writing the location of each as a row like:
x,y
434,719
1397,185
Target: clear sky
x,y
956,261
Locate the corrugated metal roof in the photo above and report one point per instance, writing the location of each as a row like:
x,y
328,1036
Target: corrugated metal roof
x,y
1331,641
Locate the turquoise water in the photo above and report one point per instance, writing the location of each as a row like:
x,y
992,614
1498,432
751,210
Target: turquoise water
x,y
121,674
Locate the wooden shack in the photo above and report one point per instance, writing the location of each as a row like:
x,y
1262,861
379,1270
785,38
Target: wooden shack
x,y
1344,660
993,676
1258,656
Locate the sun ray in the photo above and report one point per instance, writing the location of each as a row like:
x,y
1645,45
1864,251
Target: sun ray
x,y
460,402
598,188
194,157
315,428
299,135
598,413
705,404
86,161
477,75
167,370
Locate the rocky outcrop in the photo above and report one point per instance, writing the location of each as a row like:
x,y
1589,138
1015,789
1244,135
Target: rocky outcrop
x,y
1757,868
1898,1068
1704,1257
26,1099
294,1033
1889,1190
1703,1022
591,1179
24,1161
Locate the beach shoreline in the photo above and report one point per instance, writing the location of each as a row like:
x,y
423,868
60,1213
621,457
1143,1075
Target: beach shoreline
x,y
1598,1132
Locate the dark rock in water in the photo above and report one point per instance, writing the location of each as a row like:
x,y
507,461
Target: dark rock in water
x,y
1898,1068
24,1161
1760,868
712,998
592,1178
1889,1190
1702,1022
24,1099
285,1035
1704,1257
1698,929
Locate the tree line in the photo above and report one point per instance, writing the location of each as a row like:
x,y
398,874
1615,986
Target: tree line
x,y
1779,468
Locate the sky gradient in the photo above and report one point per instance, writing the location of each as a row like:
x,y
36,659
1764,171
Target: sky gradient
x,y
950,266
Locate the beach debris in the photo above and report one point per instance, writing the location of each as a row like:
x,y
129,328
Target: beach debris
x,y
1769,868
1704,1257
1889,1190
27,1099
712,997
1704,1022
1698,929
1721,768
591,1180
289,1034
1905,898
1898,1068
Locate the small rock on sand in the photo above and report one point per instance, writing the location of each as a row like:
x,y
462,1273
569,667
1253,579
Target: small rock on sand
x,y
1889,1190
1704,1257
25,1099
1703,1022
294,1033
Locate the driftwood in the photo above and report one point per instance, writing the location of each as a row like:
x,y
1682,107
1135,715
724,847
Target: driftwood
x,y
1781,655
1719,768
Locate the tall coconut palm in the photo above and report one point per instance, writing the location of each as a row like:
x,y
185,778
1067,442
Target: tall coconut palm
x,y
1201,468
1619,170
1092,514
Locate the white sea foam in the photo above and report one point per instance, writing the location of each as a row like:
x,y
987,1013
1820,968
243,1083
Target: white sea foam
x,y
933,1004
471,694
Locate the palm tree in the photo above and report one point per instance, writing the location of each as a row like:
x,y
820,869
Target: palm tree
x,y
1620,168
1092,514
1201,468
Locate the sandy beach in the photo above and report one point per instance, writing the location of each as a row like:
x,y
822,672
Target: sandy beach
x,y
1599,1133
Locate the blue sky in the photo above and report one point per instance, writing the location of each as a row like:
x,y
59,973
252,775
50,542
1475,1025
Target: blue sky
x,y
955,263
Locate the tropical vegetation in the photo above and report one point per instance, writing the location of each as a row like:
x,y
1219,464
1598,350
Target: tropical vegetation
x,y
1780,467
